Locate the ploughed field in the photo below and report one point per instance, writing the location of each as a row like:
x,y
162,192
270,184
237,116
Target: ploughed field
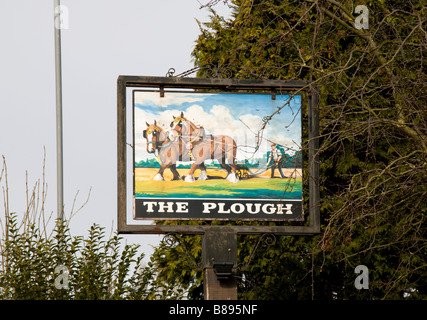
x,y
261,186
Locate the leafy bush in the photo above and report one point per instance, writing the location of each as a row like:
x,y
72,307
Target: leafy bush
x,y
36,265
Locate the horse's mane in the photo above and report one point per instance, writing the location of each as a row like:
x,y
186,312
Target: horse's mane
x,y
192,126
162,133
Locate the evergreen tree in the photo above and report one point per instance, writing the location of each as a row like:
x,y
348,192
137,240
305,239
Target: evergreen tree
x,y
373,86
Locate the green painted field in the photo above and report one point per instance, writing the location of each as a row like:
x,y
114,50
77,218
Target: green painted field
x,y
266,188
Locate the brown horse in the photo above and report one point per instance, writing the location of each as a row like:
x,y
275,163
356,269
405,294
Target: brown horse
x,y
187,130
169,151
204,147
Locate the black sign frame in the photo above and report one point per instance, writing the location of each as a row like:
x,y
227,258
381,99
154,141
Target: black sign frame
x,y
309,226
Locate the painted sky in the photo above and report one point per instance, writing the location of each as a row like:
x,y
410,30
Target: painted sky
x,y
237,115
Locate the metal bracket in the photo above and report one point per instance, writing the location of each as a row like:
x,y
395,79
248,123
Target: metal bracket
x,y
266,240
273,94
171,239
211,71
223,270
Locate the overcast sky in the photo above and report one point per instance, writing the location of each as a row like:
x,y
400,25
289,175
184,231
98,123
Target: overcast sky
x,y
105,39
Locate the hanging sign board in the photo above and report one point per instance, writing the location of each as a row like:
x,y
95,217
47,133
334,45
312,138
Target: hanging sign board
x,y
216,149
215,156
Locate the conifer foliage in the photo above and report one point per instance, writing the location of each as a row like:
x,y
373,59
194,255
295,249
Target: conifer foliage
x,y
373,141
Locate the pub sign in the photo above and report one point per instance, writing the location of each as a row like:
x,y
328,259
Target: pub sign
x,y
209,155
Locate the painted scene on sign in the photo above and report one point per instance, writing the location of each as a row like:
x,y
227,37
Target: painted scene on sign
x,y
217,145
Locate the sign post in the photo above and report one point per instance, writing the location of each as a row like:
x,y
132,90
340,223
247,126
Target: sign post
x,y
219,256
233,151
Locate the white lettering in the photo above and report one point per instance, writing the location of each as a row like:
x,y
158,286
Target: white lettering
x,y
257,207
186,310
271,206
234,210
361,21
62,17
61,281
221,208
280,208
182,207
150,205
251,208
168,206
225,309
207,206
361,281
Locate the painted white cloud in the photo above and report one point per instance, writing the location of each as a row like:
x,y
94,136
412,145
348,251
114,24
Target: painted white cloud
x,y
217,121
153,98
